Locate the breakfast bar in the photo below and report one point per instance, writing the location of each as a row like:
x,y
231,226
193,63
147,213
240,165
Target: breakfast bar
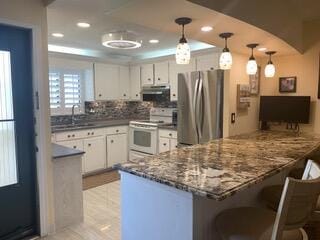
x,y
177,194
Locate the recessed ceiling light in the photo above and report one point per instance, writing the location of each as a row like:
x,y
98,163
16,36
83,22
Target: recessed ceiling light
x,y
58,35
206,28
153,41
83,24
262,49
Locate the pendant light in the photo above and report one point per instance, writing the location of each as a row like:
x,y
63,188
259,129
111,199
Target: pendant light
x,y
225,61
252,66
270,70
183,49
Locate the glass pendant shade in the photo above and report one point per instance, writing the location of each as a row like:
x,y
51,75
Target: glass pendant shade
x,y
252,67
225,61
270,70
183,53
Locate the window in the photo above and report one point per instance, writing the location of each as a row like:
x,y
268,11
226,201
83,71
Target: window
x,y
66,90
8,162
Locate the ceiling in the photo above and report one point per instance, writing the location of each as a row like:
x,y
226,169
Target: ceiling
x,y
150,19
63,16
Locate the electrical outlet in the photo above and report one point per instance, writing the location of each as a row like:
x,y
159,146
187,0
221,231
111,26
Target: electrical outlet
x,y
233,117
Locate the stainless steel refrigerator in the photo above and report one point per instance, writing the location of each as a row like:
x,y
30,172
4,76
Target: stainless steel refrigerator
x,y
200,106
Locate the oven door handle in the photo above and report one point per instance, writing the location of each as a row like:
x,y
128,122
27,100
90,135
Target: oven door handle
x,y
143,128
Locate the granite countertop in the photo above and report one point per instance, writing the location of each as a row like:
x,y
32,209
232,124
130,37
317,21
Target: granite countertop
x,y
59,151
169,127
89,125
221,168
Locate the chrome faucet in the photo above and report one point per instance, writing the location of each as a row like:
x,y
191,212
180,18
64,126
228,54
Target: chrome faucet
x,y
73,120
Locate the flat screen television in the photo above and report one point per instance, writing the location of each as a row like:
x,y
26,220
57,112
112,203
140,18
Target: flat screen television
x,y
289,109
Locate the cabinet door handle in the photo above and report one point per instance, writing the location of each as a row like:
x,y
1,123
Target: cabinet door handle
x,y
74,147
137,95
73,135
124,95
149,79
69,136
174,94
159,79
164,144
117,130
88,133
89,144
100,95
92,133
170,134
111,141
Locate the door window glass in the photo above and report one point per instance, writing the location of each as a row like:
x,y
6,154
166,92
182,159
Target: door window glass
x,y
8,163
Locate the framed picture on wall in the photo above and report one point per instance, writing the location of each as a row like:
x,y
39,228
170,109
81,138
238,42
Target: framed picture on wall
x,y
254,82
288,84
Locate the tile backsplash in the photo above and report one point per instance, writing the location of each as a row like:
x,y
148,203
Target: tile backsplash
x,y
115,110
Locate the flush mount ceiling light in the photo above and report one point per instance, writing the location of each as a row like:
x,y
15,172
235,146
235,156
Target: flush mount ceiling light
x,y
252,66
183,49
225,61
270,69
153,41
121,40
83,25
57,35
206,28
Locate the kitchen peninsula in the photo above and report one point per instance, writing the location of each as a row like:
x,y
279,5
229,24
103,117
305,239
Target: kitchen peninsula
x,y
177,194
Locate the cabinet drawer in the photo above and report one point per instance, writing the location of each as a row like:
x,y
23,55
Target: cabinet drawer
x,y
70,135
116,130
79,134
167,133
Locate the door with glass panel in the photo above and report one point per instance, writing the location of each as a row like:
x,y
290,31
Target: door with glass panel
x,y
18,215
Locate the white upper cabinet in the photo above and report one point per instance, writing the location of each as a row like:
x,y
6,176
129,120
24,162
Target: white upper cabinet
x,y
147,77
208,62
106,81
124,83
135,82
174,70
161,73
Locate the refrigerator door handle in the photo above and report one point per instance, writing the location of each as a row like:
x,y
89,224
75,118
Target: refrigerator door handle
x,y
199,109
195,100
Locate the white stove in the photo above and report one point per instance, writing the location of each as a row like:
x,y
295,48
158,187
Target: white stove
x,y
144,133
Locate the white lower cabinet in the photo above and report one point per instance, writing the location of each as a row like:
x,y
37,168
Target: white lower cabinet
x,y
103,147
167,140
164,144
117,149
95,154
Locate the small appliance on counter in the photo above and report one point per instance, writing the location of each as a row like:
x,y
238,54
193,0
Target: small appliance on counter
x,y
143,134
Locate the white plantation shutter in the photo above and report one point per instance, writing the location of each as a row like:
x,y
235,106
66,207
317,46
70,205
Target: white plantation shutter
x,y
66,90
55,92
72,90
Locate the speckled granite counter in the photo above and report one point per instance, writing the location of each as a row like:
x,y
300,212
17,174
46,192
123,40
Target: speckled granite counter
x,y
90,125
223,167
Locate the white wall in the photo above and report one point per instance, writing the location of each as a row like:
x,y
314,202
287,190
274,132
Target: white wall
x,y
32,14
246,120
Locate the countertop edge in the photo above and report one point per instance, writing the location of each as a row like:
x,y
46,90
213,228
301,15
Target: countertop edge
x,y
59,152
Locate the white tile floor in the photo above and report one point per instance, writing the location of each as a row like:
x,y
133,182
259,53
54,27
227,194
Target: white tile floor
x,y
101,216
